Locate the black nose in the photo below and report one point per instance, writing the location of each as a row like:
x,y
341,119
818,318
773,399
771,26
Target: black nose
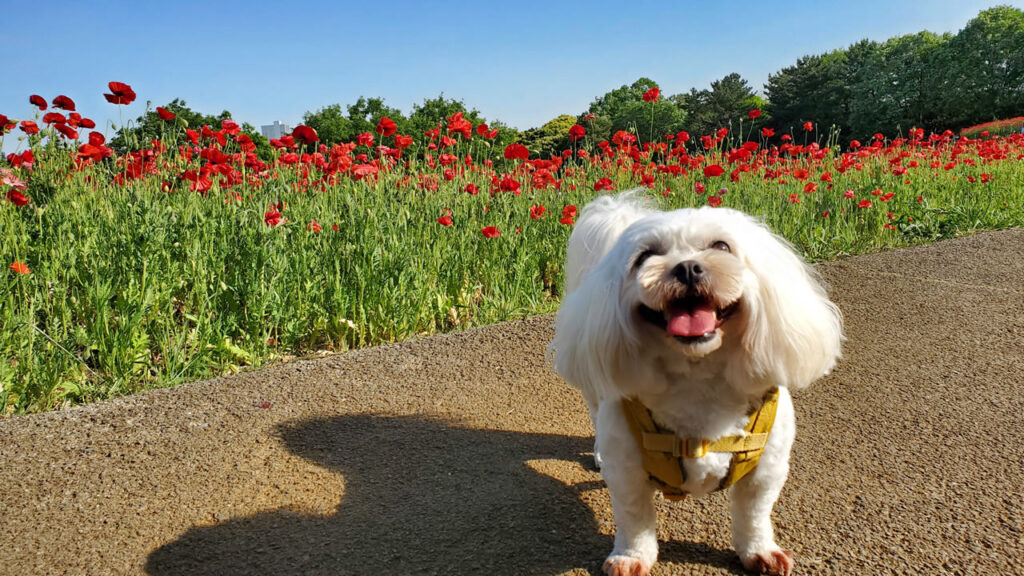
x,y
689,272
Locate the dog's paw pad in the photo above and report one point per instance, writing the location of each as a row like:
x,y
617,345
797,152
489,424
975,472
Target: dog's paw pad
x,y
774,563
626,566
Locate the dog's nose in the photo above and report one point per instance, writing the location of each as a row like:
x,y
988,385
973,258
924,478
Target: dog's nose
x,y
689,272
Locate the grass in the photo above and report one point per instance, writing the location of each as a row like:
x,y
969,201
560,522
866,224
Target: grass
x,y
141,282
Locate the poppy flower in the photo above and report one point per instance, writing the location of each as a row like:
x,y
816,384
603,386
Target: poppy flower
x,y
490,232
604,184
402,141
472,189
17,198
794,198
304,134
482,129
698,187
364,139
87,123
714,201
808,126
864,204
29,127
848,194
165,114
713,171
446,220
516,151
364,171
652,95
826,214
121,93
459,125
810,187
567,220
230,127
19,267
767,132
67,131
386,127
314,227
537,212
577,132
37,100
754,114
64,103
52,118
272,217
570,211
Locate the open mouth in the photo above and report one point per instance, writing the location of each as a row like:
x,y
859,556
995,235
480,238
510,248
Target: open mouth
x,y
690,320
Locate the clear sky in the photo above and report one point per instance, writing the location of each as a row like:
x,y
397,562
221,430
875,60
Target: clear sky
x,y
522,62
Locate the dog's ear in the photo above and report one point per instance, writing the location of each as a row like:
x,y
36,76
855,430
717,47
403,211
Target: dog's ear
x,y
592,331
794,333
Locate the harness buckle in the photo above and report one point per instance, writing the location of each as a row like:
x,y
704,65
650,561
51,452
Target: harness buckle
x,y
694,447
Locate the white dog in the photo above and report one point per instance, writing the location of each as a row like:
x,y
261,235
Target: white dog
x,y
698,315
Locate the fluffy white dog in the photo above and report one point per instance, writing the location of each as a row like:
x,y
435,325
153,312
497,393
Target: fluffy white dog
x,y
699,315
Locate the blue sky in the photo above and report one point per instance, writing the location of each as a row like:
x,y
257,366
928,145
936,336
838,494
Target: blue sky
x,y
522,62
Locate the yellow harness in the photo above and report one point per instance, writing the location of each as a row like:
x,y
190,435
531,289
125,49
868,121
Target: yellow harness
x,y
663,451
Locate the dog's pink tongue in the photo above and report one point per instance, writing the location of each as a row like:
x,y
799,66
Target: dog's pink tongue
x,y
696,322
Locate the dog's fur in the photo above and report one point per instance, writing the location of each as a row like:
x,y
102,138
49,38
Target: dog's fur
x,y
775,327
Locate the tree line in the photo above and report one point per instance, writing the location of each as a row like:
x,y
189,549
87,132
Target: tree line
x,y
922,80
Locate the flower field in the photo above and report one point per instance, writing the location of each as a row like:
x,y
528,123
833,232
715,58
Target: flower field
x,y
193,256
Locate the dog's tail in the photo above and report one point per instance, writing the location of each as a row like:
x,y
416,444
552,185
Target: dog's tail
x,y
600,225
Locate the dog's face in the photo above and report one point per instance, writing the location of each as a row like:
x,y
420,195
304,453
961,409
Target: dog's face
x,y
687,280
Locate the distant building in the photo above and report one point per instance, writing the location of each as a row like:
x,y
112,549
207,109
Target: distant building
x,y
275,130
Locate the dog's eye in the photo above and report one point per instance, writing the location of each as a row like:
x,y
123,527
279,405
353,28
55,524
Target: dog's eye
x,y
719,245
644,256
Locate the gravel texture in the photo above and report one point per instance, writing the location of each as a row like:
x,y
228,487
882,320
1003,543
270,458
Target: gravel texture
x,y
464,454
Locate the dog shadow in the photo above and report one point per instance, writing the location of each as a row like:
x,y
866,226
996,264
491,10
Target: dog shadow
x,y
421,496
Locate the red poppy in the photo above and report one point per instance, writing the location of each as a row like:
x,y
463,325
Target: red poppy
x,y
37,100
304,134
810,187
577,132
567,220
314,226
402,141
482,129
848,194
652,95
272,217
19,267
67,131
364,171
714,201
490,232
754,114
445,220
87,123
364,139
458,125
864,204
698,187
713,171
230,127
472,189
165,114
603,184
52,118
16,197
29,127
516,151
64,103
97,139
825,214
386,127
570,211
808,126
121,93
537,212
794,198
767,132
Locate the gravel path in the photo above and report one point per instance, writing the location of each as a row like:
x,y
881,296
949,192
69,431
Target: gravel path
x,y
463,454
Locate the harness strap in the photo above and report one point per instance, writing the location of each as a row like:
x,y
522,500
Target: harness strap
x,y
662,451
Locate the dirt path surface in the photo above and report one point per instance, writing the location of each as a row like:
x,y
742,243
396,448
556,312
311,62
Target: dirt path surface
x,y
463,454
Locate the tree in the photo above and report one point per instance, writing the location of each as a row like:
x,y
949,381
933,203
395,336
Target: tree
x,y
334,126
724,105
624,109
149,127
330,124
551,138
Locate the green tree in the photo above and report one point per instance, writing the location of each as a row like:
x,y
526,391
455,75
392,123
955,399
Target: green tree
x,y
149,126
551,138
624,109
724,105
330,124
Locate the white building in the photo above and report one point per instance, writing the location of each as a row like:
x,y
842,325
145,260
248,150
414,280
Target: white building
x,y
275,130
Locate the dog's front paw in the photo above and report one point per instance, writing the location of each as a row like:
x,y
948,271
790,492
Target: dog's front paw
x,y
775,563
619,565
